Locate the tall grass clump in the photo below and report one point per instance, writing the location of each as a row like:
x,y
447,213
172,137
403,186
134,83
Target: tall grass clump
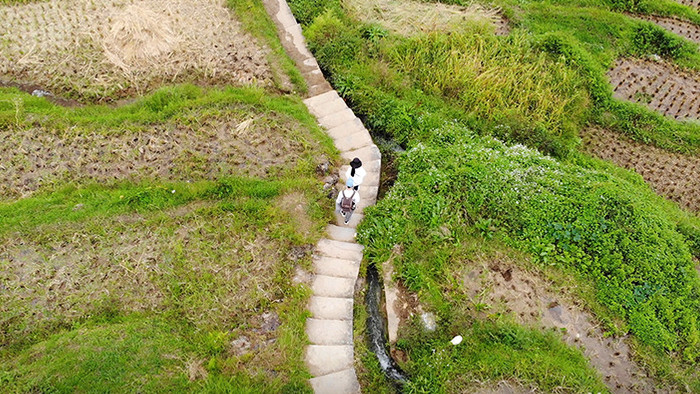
x,y
502,80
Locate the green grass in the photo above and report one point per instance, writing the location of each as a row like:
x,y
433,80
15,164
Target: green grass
x,y
125,356
175,103
129,270
493,351
595,223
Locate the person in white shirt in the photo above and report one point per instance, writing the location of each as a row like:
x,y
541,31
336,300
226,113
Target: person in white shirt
x,y
347,200
356,172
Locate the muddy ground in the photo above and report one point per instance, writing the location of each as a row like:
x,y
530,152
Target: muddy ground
x,y
240,142
657,85
499,286
672,175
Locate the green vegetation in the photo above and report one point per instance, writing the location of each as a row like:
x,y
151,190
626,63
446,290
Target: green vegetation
x,y
157,284
578,217
491,352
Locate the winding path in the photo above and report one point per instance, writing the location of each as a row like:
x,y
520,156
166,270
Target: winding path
x,y
336,260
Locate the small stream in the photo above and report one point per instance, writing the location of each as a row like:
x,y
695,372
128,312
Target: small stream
x,y
376,328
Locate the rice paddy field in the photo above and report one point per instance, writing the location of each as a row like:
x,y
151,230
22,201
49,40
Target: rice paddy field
x,y
162,190
157,199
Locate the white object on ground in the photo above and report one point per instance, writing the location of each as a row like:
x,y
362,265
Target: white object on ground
x,y
456,340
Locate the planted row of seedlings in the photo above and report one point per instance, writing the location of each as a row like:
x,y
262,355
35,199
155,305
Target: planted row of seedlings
x,y
672,175
688,30
690,3
657,85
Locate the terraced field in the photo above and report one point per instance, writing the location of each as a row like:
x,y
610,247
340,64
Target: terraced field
x,y
690,3
672,175
684,29
93,49
657,85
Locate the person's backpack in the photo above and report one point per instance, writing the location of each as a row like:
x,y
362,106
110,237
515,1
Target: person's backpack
x,y
346,202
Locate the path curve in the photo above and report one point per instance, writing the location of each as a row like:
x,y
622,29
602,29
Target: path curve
x,y
336,260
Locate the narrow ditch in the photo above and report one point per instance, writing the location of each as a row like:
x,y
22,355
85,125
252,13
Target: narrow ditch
x,y
376,329
376,320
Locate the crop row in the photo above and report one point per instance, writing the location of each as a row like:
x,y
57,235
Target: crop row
x,y
672,175
658,86
685,29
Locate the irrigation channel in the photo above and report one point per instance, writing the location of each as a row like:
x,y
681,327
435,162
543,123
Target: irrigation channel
x,y
376,329
376,321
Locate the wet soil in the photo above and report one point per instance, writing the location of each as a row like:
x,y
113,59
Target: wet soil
x,y
213,146
672,175
657,85
685,29
507,289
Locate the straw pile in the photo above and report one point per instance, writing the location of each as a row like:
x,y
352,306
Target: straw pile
x,y
99,50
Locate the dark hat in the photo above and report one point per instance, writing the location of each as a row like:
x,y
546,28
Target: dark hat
x,y
355,163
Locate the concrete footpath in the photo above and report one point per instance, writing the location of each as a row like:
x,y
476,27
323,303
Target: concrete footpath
x,y
336,260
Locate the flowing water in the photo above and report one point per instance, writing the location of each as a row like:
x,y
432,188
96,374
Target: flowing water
x,y
376,328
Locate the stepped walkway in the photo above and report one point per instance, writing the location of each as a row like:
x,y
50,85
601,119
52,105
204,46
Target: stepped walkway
x,y
336,260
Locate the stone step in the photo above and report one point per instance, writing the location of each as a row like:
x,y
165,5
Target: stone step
x,y
341,233
355,219
329,332
337,118
327,359
353,141
320,88
312,63
294,35
345,129
368,153
327,108
339,249
341,382
321,98
330,308
340,268
284,15
331,286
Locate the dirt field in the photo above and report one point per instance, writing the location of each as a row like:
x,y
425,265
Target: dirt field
x,y
682,28
240,142
215,263
98,50
413,17
505,288
657,85
672,175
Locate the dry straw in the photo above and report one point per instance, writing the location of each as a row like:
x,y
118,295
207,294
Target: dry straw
x,y
99,48
413,17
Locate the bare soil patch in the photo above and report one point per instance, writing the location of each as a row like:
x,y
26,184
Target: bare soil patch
x,y
688,30
234,143
107,49
672,175
659,86
500,286
414,17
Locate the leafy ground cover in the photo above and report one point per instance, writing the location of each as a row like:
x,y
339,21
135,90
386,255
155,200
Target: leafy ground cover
x,y
173,276
598,224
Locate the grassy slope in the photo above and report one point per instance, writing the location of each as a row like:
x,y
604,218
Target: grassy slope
x,y
175,326
659,305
